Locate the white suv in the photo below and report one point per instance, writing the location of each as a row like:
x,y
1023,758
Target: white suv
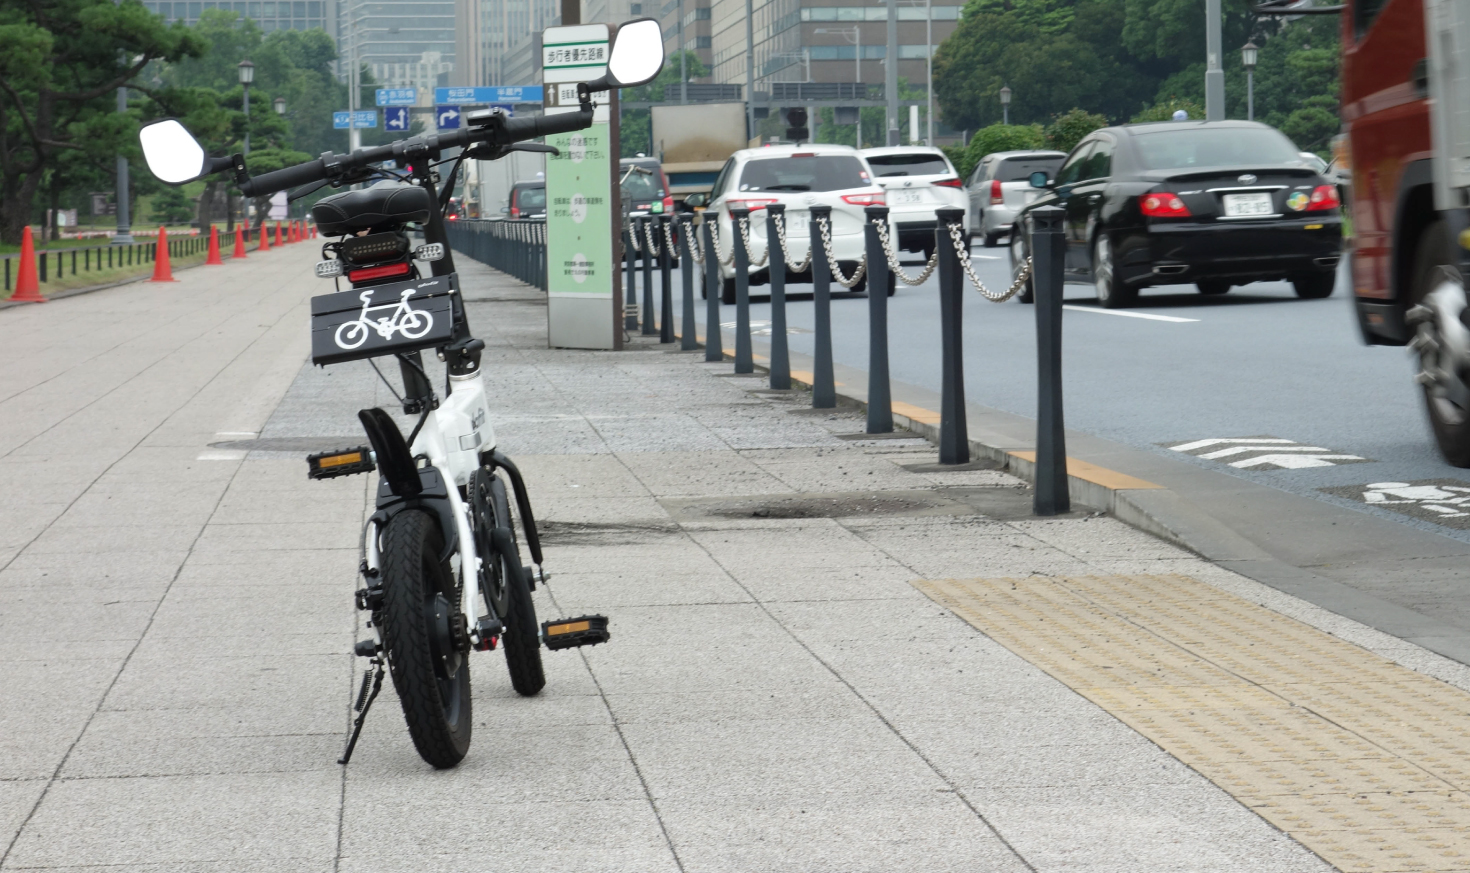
x,y
919,180
799,176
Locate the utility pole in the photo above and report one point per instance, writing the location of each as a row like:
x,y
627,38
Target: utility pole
x,y
1214,74
571,12
124,235
354,85
929,64
749,69
683,66
890,73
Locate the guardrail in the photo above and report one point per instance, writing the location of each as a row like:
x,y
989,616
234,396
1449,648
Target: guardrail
x,y
55,263
517,248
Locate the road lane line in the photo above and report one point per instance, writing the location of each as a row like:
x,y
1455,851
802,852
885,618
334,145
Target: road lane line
x,y
1149,316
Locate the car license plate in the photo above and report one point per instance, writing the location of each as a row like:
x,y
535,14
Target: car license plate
x,y
900,198
1247,205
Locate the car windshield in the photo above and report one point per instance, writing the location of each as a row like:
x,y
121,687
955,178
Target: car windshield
x,y
532,200
912,164
1020,169
1214,147
643,186
805,173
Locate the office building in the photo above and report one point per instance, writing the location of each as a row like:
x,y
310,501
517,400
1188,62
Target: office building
x,y
404,43
499,40
269,14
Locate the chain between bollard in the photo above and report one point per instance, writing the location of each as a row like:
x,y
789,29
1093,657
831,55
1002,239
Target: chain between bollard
x,y
791,263
964,253
745,238
893,258
649,237
845,281
696,249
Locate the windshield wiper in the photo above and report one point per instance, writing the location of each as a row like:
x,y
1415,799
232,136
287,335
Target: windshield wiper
x,y
896,173
788,187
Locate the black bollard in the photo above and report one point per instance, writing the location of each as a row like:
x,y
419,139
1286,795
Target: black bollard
x,y
880,401
687,341
646,313
824,388
665,259
780,356
630,289
744,363
954,437
714,346
1048,251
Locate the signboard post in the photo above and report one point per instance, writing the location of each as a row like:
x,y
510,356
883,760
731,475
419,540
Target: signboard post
x,y
583,213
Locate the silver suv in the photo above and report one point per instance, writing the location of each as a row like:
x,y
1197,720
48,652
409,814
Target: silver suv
x,y
1000,187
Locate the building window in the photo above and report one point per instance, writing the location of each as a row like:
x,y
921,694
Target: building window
x,y
701,42
635,9
877,13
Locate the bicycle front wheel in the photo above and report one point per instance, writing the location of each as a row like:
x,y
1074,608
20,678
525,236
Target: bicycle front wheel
x,y
426,638
522,633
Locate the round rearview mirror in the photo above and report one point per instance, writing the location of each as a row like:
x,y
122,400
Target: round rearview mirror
x,y
637,54
173,155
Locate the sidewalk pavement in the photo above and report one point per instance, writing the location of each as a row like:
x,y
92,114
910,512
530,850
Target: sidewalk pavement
x,y
828,653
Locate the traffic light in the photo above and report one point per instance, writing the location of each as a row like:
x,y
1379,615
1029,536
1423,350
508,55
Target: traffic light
x,y
796,129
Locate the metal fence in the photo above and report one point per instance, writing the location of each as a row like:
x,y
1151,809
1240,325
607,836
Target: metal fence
x,y
517,248
59,263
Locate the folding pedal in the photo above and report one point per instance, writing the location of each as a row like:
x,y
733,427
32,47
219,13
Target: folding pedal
x,y
568,633
340,462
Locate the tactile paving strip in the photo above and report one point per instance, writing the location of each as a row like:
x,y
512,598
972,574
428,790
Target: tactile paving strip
x,y
1364,762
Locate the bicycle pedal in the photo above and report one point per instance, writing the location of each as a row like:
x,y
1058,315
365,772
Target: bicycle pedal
x,y
568,633
340,462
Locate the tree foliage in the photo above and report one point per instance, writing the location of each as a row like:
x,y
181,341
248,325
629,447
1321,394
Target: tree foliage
x,y
61,63
1132,59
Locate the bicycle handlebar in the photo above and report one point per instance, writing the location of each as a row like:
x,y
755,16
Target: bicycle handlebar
x,y
503,132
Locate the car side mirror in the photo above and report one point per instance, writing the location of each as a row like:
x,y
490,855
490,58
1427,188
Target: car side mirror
x,y
1039,180
696,201
505,209
636,58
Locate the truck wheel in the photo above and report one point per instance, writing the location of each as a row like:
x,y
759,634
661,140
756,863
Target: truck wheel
x,y
1445,401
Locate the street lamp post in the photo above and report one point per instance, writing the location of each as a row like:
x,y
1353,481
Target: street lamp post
x,y
246,72
890,73
1248,58
1005,104
124,235
929,58
1214,74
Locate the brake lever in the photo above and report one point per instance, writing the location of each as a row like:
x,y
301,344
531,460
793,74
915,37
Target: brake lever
x,y
539,147
486,152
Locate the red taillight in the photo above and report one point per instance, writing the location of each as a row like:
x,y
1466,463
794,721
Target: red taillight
x,y
865,199
948,183
803,154
995,193
1164,205
515,212
1324,197
454,218
669,203
752,205
377,272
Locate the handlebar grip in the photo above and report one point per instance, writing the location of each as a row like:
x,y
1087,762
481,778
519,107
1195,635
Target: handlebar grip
x,y
279,180
519,129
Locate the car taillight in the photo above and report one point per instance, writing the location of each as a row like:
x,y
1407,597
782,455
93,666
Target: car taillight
x,y
948,183
752,205
1164,205
1324,197
669,203
378,272
865,199
454,218
995,193
515,212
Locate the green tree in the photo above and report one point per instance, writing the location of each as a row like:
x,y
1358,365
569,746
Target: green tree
x,y
1164,110
61,63
1068,129
172,206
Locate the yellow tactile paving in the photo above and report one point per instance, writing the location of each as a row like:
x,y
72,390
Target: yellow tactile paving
x,y
1365,762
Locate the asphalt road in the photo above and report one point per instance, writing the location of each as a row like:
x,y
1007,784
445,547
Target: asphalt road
x,y
1257,362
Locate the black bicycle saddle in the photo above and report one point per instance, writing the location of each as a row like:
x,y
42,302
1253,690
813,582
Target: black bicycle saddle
x,y
384,204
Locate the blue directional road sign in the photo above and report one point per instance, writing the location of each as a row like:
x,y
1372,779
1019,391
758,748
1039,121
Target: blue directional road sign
x,y
341,120
508,94
395,118
447,117
398,96
365,118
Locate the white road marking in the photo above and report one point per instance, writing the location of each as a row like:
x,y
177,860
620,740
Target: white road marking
x,y
1264,452
974,256
221,455
1147,315
1199,444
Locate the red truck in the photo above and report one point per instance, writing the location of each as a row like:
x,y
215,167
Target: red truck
x,y
1406,112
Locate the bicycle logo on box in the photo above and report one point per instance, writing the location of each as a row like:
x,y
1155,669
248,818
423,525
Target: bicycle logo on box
x,y
412,323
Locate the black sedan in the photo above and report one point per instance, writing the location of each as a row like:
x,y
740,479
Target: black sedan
x,y
1219,204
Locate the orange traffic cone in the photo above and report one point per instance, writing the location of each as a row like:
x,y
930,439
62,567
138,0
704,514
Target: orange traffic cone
x,y
27,285
313,231
214,256
278,233
161,270
295,232
239,242
265,239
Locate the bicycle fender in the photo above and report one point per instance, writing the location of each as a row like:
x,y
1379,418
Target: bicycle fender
x,y
523,502
433,499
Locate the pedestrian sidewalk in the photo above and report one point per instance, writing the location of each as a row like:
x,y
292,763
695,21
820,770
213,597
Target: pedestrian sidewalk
x,y
828,652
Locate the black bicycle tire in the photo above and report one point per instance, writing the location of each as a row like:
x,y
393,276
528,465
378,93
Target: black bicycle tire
x,y
522,640
412,543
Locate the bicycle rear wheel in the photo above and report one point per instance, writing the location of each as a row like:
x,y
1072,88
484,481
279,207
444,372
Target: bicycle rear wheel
x,y
426,638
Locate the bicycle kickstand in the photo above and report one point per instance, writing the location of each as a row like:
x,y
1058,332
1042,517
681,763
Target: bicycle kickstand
x,y
365,698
